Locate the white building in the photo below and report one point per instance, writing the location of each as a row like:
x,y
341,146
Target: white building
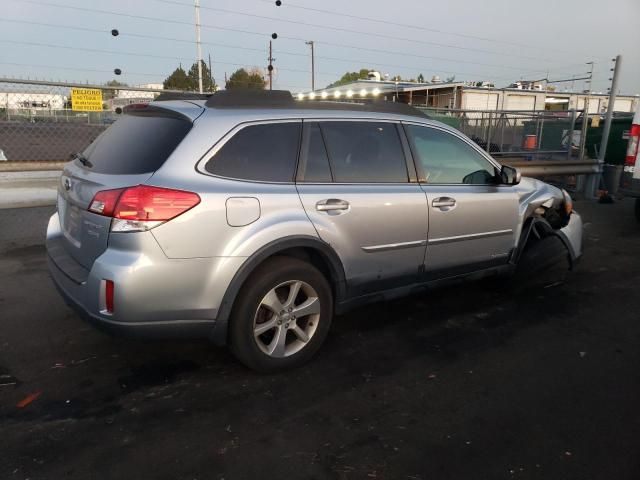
x,y
32,100
473,96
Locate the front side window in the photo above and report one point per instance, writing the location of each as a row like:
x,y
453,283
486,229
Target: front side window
x,y
448,159
364,152
266,152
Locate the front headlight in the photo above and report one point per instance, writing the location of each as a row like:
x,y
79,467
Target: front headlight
x,y
567,202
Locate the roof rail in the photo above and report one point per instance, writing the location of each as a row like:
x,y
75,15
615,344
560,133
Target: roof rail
x,y
284,99
251,98
182,96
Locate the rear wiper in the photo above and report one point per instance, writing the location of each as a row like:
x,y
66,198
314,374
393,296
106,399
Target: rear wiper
x,y
82,159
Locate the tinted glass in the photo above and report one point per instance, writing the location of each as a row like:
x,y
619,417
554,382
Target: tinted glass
x,y
447,159
136,144
316,167
265,152
364,152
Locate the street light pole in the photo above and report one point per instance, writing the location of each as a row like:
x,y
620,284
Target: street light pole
x,y
199,45
313,73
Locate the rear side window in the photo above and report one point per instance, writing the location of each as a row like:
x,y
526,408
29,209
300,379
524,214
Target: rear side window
x,y
136,144
365,152
266,152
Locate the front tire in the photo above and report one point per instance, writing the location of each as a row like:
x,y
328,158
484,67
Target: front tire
x,y
544,262
281,316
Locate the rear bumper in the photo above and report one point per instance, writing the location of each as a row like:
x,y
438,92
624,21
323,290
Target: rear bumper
x,y
158,329
154,296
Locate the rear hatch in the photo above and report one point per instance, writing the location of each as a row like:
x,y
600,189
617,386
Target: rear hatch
x,y
126,154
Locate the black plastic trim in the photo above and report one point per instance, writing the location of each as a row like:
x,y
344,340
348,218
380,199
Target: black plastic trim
x,y
526,232
219,332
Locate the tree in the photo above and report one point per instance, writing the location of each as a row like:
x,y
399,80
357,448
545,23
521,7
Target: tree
x,y
178,80
208,84
109,94
241,79
420,78
450,79
350,77
181,80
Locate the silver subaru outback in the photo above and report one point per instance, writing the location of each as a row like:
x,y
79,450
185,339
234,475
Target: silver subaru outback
x,y
251,219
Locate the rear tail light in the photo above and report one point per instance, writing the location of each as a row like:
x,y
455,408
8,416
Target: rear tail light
x,y
108,295
632,149
142,207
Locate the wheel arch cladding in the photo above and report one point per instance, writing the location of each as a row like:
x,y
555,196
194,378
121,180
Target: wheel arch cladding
x,y
535,223
311,249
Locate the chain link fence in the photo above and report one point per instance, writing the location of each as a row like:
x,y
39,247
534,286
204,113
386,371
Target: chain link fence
x,y
38,122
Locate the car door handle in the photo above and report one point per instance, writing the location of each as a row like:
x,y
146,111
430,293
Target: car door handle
x,y
332,204
443,202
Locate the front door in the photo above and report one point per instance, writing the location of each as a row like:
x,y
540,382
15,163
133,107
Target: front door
x,y
354,185
473,218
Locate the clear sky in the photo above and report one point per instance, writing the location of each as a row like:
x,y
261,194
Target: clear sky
x,y
491,40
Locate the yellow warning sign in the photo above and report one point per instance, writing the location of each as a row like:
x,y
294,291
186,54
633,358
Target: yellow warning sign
x,y
86,99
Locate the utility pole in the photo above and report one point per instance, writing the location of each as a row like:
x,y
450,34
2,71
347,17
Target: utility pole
x,y
211,82
612,100
198,45
585,114
313,72
270,67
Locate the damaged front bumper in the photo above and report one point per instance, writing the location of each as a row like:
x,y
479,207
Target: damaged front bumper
x,y
572,235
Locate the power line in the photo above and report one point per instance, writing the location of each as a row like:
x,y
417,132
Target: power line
x,y
359,32
148,55
281,52
125,73
288,4
179,22
254,49
113,52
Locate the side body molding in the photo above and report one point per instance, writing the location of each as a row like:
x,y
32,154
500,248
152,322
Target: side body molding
x,y
219,332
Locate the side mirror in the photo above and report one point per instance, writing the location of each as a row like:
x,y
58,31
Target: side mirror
x,y
510,175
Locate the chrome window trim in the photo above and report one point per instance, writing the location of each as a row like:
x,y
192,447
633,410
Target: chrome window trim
x,y
470,236
394,246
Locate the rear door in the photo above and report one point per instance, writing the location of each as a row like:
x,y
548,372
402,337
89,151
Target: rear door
x,y
124,155
355,186
472,218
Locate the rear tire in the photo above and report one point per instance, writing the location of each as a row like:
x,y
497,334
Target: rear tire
x,y
281,316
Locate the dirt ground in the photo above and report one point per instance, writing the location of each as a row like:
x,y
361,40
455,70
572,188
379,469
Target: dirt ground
x,y
468,382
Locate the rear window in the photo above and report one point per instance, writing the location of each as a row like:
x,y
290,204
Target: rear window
x,y
136,144
266,152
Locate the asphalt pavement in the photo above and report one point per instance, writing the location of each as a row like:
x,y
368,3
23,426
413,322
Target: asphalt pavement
x,y
469,382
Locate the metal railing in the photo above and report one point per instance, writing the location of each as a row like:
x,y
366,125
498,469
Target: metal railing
x,y
527,134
